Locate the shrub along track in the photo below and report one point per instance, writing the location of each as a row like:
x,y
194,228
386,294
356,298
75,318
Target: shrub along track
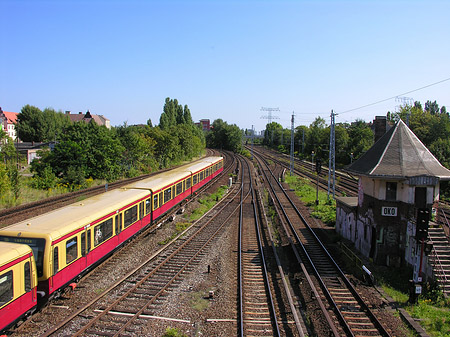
x,y
345,184
22,212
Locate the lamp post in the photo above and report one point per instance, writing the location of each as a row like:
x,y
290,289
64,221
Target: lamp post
x,y
312,160
351,158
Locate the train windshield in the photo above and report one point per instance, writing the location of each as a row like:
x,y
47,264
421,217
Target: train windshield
x,y
36,245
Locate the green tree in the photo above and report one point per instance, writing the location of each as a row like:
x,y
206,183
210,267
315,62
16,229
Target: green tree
x,y
224,136
34,125
360,138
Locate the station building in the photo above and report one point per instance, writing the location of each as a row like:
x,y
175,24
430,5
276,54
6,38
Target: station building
x,y
397,177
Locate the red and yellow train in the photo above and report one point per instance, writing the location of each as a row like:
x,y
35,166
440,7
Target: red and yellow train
x,y
61,246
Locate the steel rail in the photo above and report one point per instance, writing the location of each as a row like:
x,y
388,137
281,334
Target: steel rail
x,y
360,301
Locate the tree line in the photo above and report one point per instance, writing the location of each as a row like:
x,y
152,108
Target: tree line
x,y
430,124
82,151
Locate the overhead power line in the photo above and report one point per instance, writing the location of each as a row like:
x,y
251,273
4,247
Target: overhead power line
x,y
403,94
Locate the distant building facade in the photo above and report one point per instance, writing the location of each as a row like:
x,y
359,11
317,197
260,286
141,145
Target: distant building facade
x,y
8,122
205,124
88,117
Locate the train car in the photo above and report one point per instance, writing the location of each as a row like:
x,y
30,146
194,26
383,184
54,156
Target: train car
x,y
205,170
170,188
71,240
18,283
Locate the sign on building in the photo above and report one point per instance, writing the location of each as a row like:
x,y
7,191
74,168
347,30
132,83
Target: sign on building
x,y
389,211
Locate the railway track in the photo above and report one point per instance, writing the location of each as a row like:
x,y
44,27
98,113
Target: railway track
x,y
137,249
344,311
256,306
345,185
15,214
126,305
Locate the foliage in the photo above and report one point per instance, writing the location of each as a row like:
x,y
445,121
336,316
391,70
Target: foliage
x,y
5,184
325,210
34,125
173,332
225,137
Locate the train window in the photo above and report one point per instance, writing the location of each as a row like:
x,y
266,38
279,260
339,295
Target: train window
x,y
179,188
201,175
89,240
148,205
83,244
71,250
103,232
155,201
55,260
6,287
188,183
167,195
38,247
141,210
194,179
130,216
27,274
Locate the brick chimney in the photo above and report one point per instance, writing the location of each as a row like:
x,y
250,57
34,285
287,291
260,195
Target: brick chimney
x,y
380,126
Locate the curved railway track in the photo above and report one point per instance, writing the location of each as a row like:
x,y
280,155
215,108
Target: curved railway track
x,y
126,304
345,185
343,309
109,266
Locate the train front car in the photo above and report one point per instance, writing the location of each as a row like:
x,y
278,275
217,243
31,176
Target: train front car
x,y
18,283
69,241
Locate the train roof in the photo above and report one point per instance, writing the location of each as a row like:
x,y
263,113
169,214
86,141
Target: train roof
x,y
58,223
200,164
161,180
11,251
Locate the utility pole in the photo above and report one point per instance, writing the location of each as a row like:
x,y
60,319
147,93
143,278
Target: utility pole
x,y
291,167
253,133
331,163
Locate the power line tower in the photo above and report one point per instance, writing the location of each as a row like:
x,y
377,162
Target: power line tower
x,y
269,116
405,101
291,166
332,163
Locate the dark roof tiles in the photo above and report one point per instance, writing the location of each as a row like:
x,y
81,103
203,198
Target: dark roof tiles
x,y
399,154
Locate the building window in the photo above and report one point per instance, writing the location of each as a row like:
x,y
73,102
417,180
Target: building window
x,y
391,191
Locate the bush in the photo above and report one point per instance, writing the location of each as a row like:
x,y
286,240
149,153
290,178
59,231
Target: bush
x,y
44,180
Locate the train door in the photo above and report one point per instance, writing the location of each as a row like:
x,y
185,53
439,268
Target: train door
x,y
84,249
89,257
141,213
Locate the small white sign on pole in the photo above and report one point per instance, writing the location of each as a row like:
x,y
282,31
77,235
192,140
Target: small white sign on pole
x,y
389,211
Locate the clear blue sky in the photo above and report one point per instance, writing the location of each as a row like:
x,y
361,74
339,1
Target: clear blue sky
x,y
224,59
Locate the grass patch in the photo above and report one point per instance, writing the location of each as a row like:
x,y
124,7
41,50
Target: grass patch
x,y
207,203
179,227
325,210
199,301
173,332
